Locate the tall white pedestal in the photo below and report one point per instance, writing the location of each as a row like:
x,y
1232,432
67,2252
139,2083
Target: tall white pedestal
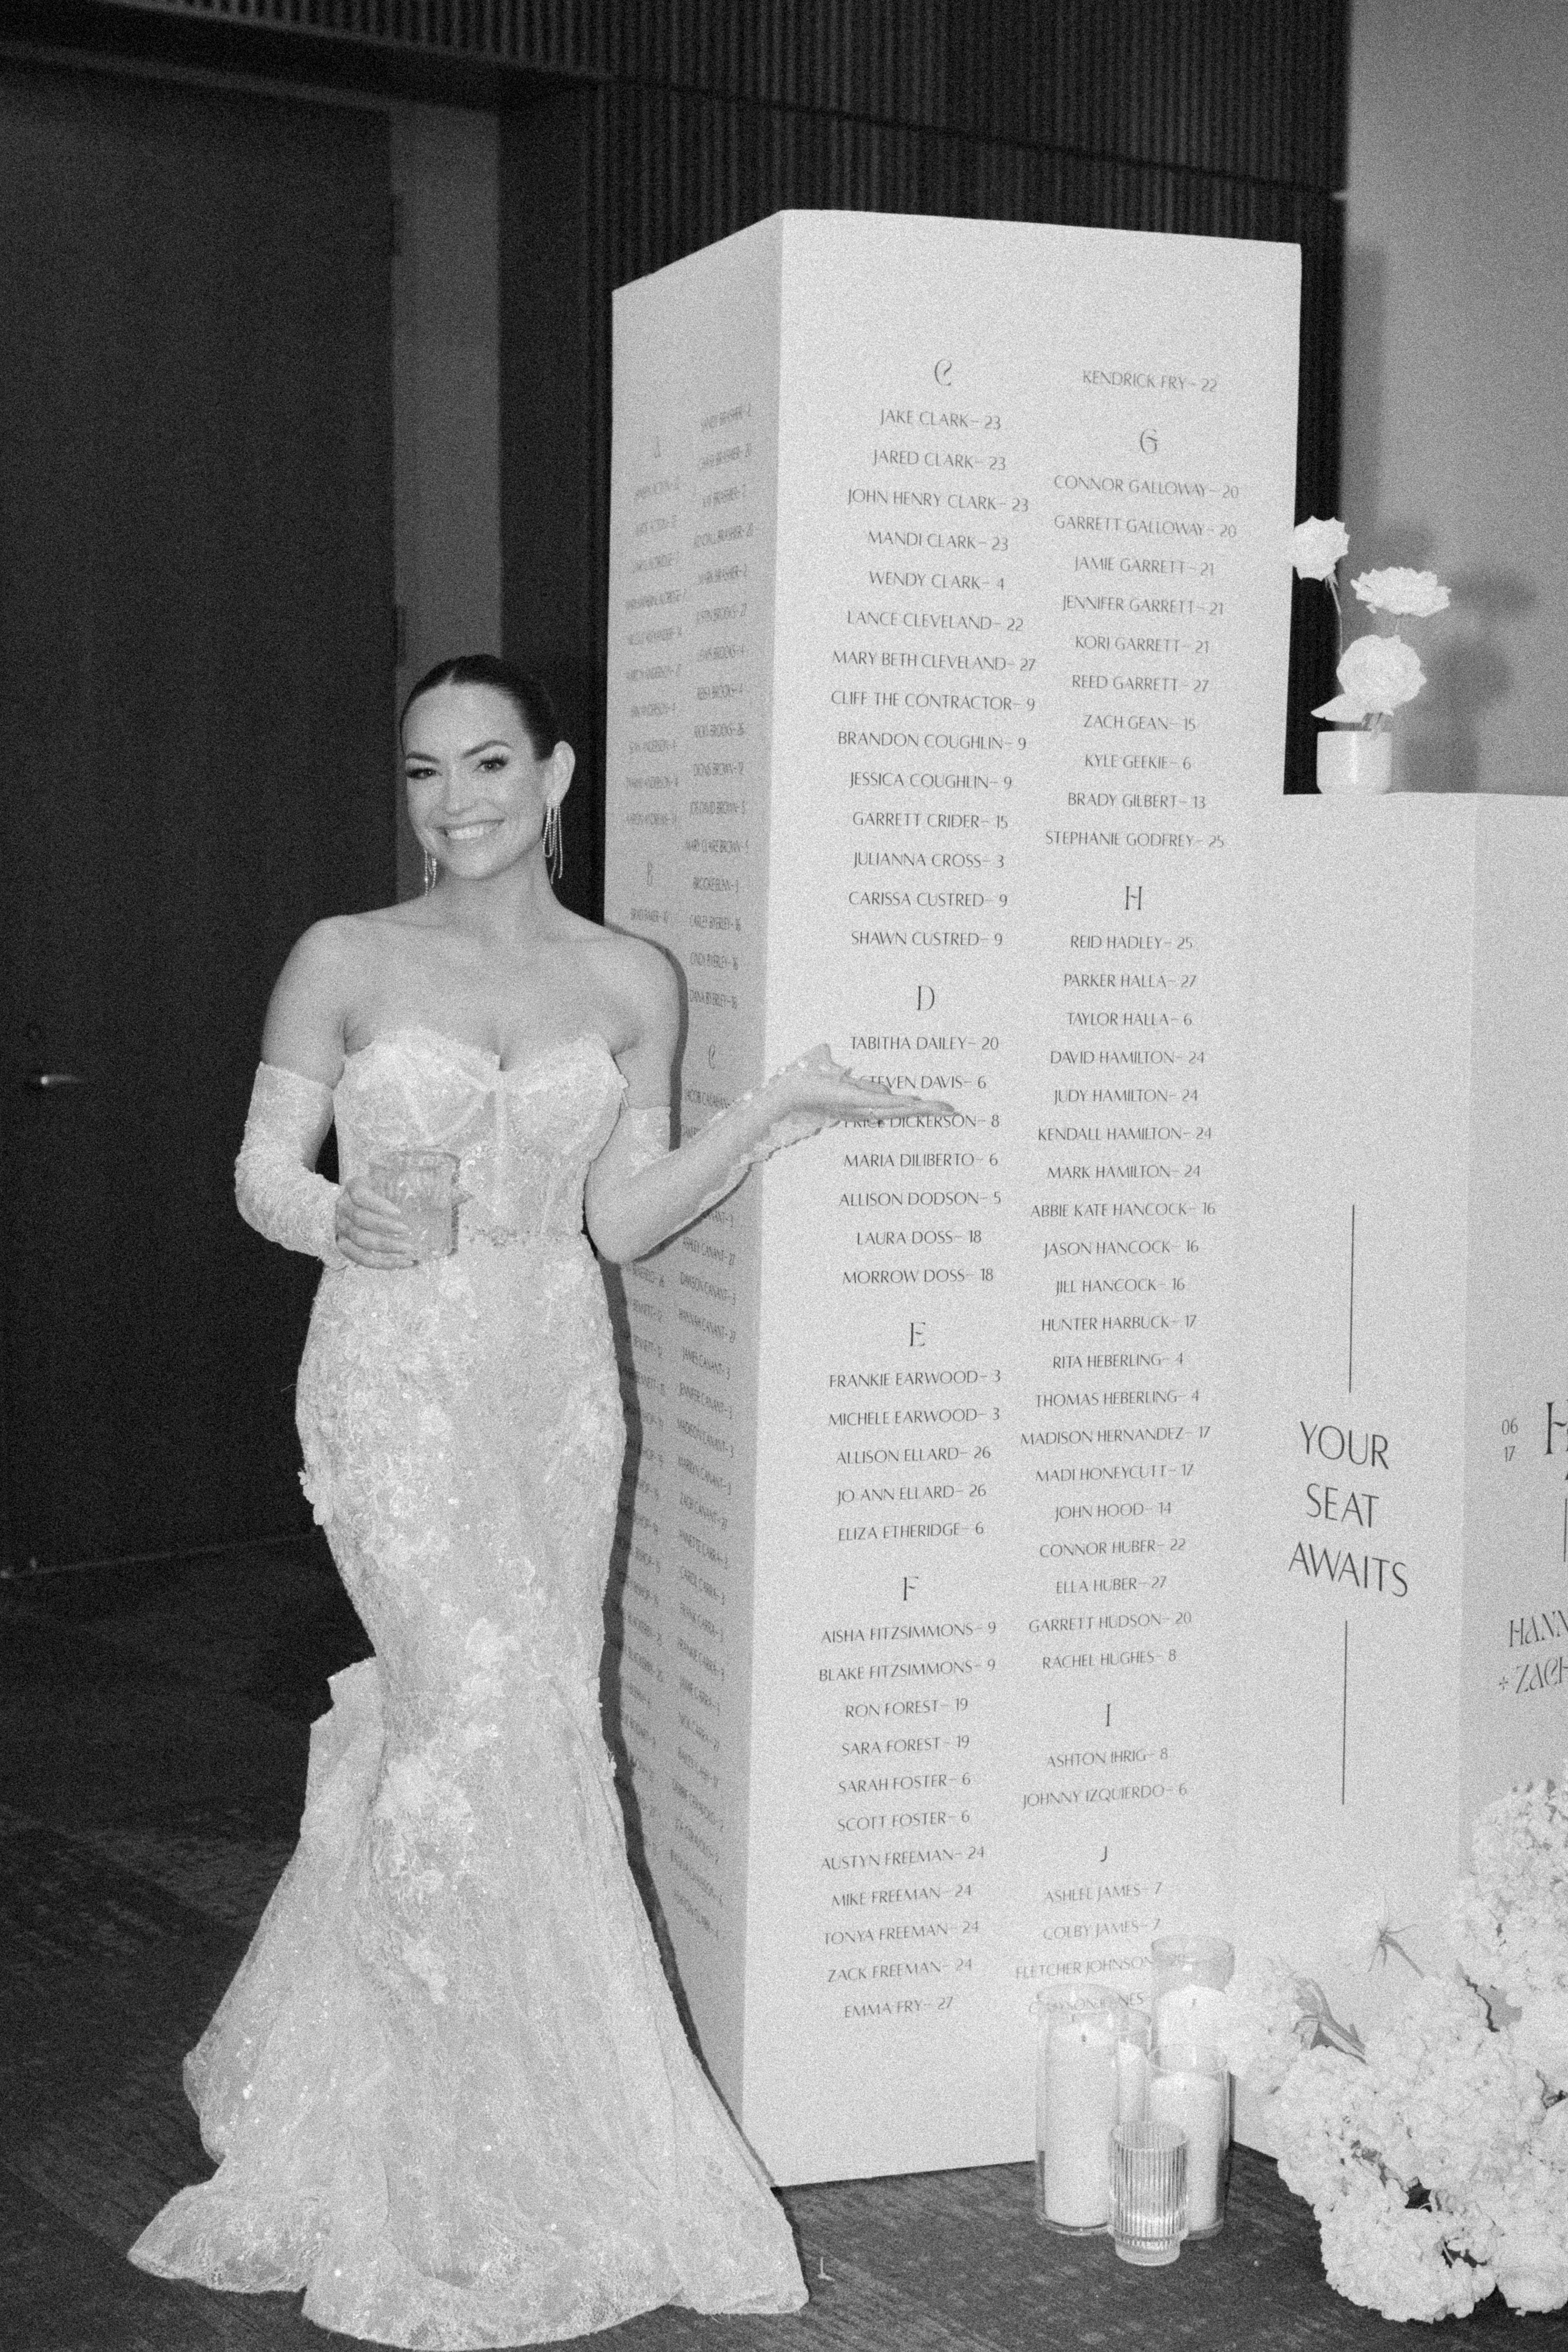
x,y
949,614
1402,1604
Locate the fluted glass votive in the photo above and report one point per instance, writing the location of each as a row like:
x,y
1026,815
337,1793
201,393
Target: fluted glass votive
x,y
1147,2191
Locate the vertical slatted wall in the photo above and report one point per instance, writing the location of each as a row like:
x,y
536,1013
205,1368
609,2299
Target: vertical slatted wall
x,y
1220,118
636,131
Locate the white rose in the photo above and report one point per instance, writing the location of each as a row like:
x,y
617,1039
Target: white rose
x,y
1317,546
1397,589
1377,674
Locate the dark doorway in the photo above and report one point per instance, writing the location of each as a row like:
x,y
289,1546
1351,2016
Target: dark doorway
x,y
195,698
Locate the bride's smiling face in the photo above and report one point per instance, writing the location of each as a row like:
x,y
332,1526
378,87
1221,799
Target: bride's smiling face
x,y
477,791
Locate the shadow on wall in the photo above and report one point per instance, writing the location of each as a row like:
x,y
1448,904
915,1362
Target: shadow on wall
x,y
1463,654
1437,738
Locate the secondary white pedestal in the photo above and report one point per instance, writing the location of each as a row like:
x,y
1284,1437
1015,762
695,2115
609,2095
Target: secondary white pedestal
x,y
1402,1606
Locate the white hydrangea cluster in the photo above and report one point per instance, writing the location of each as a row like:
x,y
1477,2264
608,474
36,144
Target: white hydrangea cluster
x,y
1381,2251
1325,2131
1518,2225
1540,2035
1508,1921
1436,2161
1453,2104
1264,2023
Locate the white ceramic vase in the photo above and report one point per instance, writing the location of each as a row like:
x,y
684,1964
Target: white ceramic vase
x,y
1353,761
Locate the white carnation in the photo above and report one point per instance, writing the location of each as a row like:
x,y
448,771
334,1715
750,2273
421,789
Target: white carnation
x,y
1317,546
1397,589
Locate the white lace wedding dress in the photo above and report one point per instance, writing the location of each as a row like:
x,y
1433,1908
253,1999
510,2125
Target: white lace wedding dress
x,y
448,2088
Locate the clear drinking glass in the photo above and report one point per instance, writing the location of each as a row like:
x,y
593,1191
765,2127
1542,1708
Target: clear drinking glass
x,y
1190,2089
1076,2092
1147,2191
422,1185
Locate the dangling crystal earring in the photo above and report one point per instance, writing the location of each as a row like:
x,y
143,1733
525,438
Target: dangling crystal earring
x,y
554,857
432,872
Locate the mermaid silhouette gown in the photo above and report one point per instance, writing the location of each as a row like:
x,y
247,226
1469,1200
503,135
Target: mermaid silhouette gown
x,y
448,2088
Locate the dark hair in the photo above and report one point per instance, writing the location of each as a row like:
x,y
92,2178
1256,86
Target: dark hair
x,y
527,698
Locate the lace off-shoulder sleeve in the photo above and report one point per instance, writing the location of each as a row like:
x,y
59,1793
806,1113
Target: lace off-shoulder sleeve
x,y
640,1192
275,1180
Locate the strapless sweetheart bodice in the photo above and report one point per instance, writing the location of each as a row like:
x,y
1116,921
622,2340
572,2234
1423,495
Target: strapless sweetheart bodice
x,y
525,1136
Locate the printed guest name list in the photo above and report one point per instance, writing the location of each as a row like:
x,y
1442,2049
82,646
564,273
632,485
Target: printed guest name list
x,y
947,657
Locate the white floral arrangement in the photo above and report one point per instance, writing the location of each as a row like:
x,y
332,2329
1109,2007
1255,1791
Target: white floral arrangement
x,y
1376,673
1435,2154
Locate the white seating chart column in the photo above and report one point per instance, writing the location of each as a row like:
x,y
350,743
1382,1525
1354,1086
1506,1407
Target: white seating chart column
x,y
948,624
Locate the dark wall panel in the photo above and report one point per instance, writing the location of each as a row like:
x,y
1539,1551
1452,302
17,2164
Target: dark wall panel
x,y
195,677
554,481
636,131
1253,87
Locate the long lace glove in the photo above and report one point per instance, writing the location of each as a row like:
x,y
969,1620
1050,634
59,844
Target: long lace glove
x,y
640,1192
275,1180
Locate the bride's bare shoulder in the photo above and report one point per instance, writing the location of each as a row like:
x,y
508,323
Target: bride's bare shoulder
x,y
635,964
327,950
640,979
304,1026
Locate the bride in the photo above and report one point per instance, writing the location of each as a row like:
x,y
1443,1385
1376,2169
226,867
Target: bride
x,y
447,2090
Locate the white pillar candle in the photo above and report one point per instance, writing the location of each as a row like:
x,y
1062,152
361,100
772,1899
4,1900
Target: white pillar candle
x,y
1131,2082
1197,2103
1189,2016
1077,2100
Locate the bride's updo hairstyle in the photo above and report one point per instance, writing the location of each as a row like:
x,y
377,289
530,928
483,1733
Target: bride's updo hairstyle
x,y
529,699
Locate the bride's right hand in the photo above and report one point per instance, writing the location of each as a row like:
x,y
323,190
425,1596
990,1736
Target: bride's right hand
x,y
818,1089
369,1230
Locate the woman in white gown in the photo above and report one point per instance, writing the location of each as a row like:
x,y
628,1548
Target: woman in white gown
x,y
447,2088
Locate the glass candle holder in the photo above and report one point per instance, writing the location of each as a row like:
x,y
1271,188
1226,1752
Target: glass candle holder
x,y
1190,1974
1147,2191
1132,2067
1076,2095
422,1185
1190,2090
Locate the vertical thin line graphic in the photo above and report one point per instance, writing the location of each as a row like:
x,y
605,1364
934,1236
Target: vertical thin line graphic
x,y
1346,1712
1350,1350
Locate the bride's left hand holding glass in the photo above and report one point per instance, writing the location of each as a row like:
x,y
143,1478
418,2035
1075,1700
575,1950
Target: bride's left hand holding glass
x,y
370,1230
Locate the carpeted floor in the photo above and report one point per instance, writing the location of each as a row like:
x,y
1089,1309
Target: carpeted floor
x,y
153,1730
